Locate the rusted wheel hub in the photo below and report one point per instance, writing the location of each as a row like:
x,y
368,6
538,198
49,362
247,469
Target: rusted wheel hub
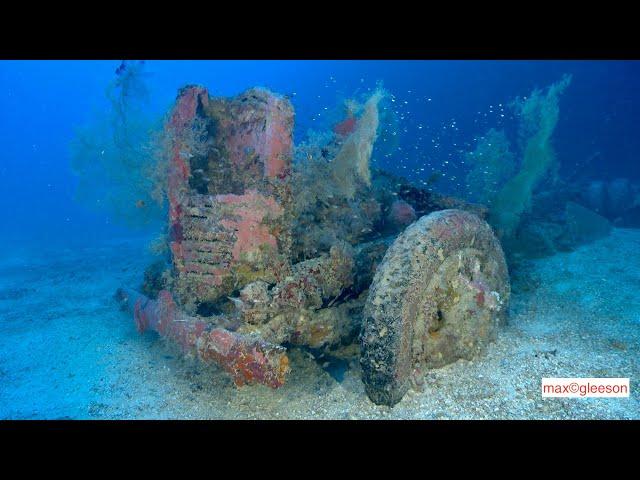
x,y
439,295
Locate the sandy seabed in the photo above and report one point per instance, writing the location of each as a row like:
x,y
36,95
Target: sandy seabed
x,y
68,352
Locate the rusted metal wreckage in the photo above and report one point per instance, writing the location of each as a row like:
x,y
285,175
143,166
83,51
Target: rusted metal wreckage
x,y
423,283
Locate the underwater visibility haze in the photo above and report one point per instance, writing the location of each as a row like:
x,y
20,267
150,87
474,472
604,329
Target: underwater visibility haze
x,y
319,239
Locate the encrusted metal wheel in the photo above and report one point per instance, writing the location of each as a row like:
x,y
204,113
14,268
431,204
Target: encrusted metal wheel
x,y
438,295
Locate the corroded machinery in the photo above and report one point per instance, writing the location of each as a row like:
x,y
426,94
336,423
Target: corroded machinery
x,y
257,266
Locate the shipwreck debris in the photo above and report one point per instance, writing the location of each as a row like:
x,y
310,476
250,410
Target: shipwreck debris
x,y
232,229
265,257
439,295
247,359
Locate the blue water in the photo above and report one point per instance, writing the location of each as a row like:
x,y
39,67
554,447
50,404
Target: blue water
x,y
43,101
437,111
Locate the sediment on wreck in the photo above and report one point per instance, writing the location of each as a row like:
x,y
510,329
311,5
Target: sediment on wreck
x,y
229,221
439,294
240,287
247,359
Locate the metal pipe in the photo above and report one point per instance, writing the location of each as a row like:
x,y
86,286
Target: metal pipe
x,y
246,358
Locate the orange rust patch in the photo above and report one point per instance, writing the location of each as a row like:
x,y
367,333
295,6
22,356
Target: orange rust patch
x,y
252,208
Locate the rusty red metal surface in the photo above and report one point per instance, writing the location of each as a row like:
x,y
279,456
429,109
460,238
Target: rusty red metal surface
x,y
346,127
181,119
247,359
232,228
